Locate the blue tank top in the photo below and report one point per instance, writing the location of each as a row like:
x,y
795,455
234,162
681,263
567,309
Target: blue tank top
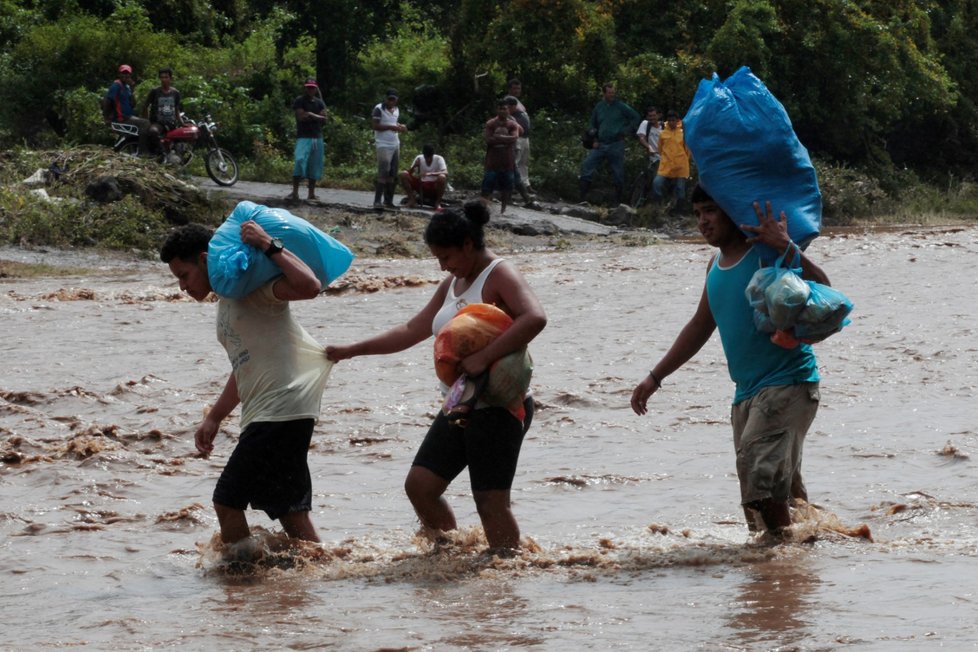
x,y
754,362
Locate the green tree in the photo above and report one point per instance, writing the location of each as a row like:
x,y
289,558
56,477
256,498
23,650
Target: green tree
x,y
742,38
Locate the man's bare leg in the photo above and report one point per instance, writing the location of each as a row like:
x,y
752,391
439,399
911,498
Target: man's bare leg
x,y
298,525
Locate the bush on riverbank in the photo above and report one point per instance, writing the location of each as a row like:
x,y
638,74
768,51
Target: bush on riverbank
x,y
63,214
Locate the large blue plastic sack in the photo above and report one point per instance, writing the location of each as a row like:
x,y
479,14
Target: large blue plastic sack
x,y
746,150
236,269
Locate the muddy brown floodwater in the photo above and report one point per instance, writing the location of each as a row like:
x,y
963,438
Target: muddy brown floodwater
x,y
633,535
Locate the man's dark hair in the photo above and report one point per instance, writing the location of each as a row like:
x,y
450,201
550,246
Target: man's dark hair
x,y
168,71
672,114
699,195
502,102
651,108
513,82
451,228
605,86
186,243
509,100
428,149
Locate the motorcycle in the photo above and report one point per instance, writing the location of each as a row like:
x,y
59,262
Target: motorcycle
x,y
177,147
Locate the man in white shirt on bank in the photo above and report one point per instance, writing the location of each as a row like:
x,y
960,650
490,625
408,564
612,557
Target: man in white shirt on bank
x,y
427,178
386,129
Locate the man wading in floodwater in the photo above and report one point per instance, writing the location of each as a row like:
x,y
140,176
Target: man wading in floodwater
x,y
777,388
279,373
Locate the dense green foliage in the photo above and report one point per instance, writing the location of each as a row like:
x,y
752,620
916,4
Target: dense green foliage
x,y
878,85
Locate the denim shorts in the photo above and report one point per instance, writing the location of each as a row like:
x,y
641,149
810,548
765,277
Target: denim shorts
x,y
497,180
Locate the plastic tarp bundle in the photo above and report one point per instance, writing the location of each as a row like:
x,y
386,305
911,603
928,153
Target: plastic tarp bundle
x,y
746,150
236,269
471,330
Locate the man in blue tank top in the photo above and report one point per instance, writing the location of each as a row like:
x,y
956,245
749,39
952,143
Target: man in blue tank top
x,y
776,395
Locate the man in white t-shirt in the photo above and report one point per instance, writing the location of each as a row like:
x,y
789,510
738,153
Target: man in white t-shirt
x,y
648,133
386,129
427,177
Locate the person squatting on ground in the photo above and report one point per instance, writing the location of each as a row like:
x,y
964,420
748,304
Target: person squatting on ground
x,y
777,389
427,178
310,114
278,375
386,129
611,120
163,108
674,165
489,444
119,104
500,134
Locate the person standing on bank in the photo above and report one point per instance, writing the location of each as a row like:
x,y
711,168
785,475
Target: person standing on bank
x,y
611,120
386,129
674,163
648,135
523,121
310,114
777,392
515,89
489,444
500,134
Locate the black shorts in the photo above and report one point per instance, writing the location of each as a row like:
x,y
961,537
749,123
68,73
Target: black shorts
x,y
268,469
489,445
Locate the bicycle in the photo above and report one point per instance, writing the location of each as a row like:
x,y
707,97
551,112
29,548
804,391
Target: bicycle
x,y
642,187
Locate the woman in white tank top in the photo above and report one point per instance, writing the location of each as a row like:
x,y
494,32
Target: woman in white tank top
x,y
490,441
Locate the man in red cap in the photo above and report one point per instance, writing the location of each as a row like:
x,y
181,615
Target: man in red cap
x,y
310,114
121,101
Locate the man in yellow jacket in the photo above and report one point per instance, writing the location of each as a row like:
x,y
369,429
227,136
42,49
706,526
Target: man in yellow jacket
x,y
674,163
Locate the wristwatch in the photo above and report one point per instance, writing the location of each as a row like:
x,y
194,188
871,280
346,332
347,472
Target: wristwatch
x,y
275,247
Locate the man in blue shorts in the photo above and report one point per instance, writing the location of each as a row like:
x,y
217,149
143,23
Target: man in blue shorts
x,y
776,394
310,114
278,375
500,134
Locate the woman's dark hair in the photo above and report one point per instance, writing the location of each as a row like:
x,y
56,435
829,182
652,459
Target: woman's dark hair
x,y
452,227
186,242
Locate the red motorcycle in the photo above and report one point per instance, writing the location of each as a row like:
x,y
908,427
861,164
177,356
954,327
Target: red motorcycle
x,y
177,147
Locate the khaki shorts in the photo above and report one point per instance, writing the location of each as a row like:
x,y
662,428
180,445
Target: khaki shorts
x,y
769,433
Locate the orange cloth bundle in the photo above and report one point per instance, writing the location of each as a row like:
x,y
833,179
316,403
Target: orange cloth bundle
x,y
470,331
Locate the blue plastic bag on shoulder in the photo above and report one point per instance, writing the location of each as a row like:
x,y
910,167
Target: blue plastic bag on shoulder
x,y
236,269
746,150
